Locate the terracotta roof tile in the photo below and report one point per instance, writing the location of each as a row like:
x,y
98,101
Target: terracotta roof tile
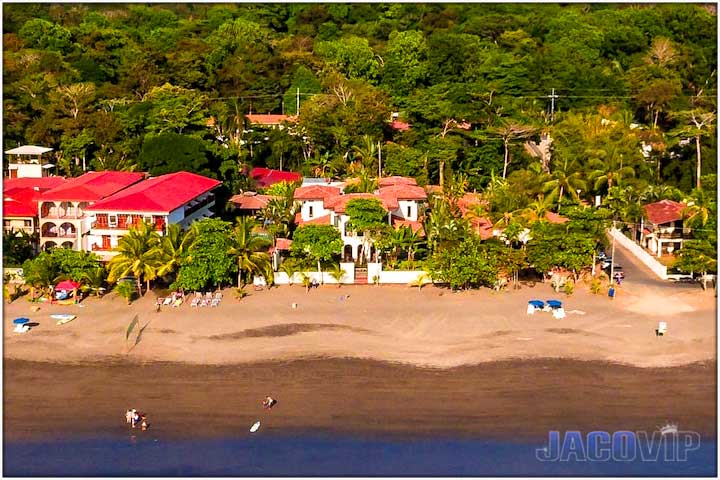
x,y
315,192
664,211
255,201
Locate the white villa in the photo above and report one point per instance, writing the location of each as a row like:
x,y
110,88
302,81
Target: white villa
x,y
325,205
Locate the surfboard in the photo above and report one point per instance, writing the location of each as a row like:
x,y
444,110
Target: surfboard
x,y
63,318
255,427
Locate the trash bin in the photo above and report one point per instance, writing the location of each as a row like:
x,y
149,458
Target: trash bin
x,y
611,292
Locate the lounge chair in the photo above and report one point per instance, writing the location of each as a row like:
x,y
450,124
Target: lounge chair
x,y
661,330
203,303
558,313
168,301
194,302
198,295
160,301
218,295
177,302
215,302
208,296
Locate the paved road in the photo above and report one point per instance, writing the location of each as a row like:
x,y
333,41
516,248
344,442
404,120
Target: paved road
x,y
638,274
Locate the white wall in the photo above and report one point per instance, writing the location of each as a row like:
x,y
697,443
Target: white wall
x,y
403,207
318,209
403,276
281,278
647,259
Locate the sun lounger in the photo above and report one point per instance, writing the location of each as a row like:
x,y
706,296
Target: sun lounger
x,y
661,330
168,301
558,313
208,296
178,302
218,295
215,302
160,301
554,303
194,302
198,295
203,303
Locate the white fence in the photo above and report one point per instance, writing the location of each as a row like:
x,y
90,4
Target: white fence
x,y
648,260
374,270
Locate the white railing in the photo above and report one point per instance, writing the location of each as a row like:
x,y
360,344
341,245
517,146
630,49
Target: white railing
x,y
648,260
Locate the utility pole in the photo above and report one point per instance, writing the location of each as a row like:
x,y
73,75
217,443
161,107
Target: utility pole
x,y
379,161
297,101
552,97
612,258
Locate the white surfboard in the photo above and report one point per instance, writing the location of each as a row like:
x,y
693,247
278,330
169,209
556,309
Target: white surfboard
x,y
255,427
62,318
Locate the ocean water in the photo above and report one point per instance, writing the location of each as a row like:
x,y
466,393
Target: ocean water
x,y
319,455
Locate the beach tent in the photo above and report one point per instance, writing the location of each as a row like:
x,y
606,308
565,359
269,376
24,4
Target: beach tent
x,y
66,286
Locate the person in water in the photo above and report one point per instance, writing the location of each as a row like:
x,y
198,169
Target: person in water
x,y
269,402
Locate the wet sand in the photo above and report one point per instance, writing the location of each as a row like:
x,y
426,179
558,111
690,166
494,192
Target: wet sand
x,y
509,399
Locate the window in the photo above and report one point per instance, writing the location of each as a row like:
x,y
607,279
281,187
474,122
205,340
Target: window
x,y
409,210
148,219
6,223
112,220
310,211
27,223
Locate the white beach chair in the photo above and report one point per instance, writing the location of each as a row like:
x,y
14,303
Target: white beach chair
x,y
661,330
558,313
530,309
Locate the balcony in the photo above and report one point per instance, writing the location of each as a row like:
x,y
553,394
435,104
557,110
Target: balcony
x,y
159,226
189,210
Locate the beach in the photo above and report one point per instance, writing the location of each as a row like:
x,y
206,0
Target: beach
x,y
379,360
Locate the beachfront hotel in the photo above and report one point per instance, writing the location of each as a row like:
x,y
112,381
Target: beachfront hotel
x,y
175,198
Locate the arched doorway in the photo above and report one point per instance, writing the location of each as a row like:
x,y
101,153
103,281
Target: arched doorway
x,y
67,229
49,245
48,229
69,245
348,253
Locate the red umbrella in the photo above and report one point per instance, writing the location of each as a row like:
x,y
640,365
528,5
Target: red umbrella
x,y
67,285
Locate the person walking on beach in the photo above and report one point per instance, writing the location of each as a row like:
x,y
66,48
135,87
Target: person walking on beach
x,y
129,415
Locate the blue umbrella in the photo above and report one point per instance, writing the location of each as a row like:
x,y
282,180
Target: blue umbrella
x,y
537,303
21,321
554,303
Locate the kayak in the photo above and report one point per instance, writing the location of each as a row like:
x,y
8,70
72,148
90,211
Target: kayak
x,y
63,318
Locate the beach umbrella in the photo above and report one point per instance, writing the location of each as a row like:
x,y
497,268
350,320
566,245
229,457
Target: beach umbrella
x,y
21,321
554,303
537,303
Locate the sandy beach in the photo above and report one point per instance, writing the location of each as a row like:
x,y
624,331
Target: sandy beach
x,y
431,328
388,360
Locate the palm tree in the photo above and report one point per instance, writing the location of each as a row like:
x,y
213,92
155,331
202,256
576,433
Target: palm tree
x,y
366,152
337,273
248,248
608,168
93,280
137,255
413,243
699,208
172,247
563,181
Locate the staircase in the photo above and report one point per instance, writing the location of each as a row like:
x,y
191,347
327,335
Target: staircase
x,y
361,276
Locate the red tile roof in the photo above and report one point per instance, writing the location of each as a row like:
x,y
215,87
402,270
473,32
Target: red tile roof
x,y
664,211
469,200
324,220
269,119
250,201
264,177
396,180
92,186
404,192
416,227
339,202
398,125
555,218
482,226
315,192
159,194
21,195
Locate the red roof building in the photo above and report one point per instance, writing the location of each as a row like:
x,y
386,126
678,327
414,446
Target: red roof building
x,y
400,126
92,186
664,211
264,177
250,202
20,201
176,198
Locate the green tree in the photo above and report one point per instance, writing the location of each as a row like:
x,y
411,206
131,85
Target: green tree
x,y
172,152
172,248
17,247
697,256
249,249
319,242
137,255
367,215
206,262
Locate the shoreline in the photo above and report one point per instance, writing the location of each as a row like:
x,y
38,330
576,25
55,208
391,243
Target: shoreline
x,y
519,400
